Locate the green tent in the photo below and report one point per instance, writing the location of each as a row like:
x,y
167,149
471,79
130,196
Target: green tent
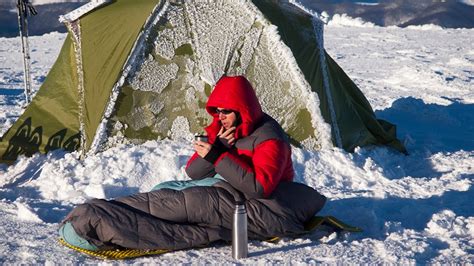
x,y
134,70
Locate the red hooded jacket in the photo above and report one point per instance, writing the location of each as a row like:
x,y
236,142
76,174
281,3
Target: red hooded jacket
x,y
261,157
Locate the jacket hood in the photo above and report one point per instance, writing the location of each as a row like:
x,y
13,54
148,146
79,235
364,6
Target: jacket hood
x,y
237,94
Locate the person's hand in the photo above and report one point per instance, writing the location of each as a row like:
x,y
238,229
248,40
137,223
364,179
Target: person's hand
x,y
226,136
202,148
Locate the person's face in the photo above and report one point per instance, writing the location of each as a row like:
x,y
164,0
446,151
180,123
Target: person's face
x,y
227,117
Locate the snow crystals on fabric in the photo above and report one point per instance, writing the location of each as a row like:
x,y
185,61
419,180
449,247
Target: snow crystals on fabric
x,y
154,76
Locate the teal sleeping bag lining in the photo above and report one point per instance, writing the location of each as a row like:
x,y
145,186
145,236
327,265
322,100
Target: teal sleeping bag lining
x,y
180,185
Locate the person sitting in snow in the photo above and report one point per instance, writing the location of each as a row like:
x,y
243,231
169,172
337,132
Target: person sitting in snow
x,y
249,149
247,158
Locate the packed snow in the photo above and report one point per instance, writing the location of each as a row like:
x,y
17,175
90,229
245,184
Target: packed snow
x,y
414,209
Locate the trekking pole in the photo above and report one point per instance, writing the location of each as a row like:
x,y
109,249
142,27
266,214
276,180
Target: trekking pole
x,y
25,8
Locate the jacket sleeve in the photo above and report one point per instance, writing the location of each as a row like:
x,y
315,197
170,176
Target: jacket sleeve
x,y
260,179
198,168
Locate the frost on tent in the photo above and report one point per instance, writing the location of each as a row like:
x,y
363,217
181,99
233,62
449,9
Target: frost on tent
x,y
154,76
219,30
180,129
192,45
274,83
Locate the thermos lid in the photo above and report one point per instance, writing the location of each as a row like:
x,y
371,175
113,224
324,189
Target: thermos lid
x,y
240,209
239,202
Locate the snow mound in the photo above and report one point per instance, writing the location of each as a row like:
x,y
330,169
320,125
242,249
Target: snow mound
x,y
25,213
344,20
445,225
425,27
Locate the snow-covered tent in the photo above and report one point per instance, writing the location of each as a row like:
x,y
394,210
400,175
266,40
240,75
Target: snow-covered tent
x,y
143,69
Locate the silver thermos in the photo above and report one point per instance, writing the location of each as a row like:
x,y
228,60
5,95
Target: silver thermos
x,y
239,232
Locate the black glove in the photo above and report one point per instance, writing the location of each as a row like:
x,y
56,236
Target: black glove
x,y
216,150
224,142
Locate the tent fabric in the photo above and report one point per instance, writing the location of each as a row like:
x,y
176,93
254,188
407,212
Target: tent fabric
x,y
354,115
187,59
51,120
107,37
356,119
271,42
296,30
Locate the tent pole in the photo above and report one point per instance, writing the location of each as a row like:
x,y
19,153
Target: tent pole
x,y
319,30
318,26
75,30
72,22
82,10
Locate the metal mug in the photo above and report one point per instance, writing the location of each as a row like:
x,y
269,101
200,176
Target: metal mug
x,y
202,138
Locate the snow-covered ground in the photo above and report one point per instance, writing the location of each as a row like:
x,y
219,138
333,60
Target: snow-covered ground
x,y
413,209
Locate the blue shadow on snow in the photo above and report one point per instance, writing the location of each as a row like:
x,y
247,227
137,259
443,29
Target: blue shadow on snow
x,y
371,213
432,127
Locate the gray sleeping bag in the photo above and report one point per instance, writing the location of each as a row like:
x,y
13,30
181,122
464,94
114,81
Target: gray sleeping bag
x,y
176,219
